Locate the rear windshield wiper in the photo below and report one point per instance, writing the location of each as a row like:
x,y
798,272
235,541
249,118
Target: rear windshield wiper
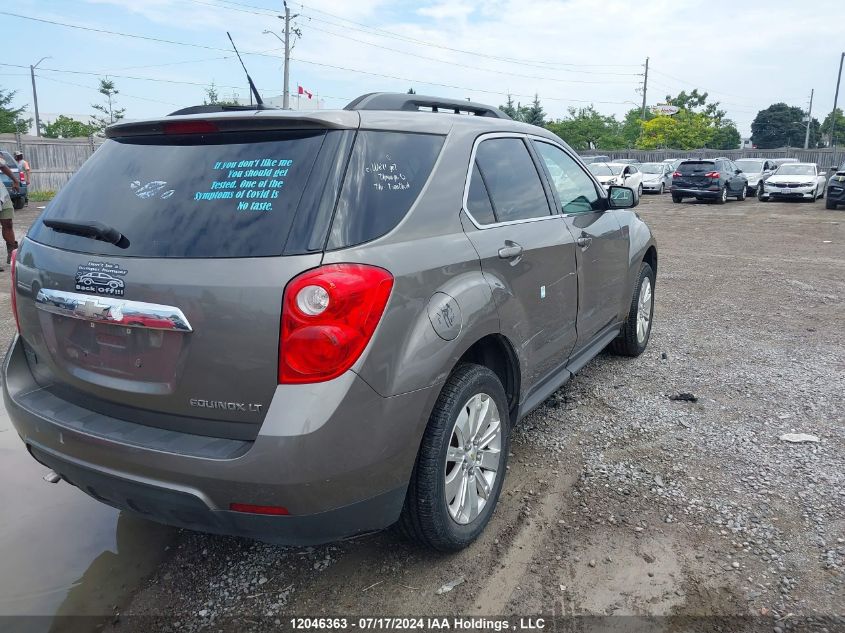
x,y
94,230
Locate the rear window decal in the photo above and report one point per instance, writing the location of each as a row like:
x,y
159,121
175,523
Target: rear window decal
x,y
387,175
252,183
151,189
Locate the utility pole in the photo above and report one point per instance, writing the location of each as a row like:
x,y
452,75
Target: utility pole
x,y
35,95
645,89
286,93
809,118
835,99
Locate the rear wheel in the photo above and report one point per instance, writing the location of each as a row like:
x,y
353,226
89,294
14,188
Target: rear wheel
x,y
723,196
460,467
18,203
636,330
676,198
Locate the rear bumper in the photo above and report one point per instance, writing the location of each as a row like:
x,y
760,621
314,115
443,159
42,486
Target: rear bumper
x,y
697,193
336,455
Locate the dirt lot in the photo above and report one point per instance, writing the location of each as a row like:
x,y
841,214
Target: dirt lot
x,y
620,501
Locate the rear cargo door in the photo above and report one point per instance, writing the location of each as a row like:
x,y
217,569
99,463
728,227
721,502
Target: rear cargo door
x,y
176,323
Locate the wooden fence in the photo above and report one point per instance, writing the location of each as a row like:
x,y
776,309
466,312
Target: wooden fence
x,y
53,161
825,158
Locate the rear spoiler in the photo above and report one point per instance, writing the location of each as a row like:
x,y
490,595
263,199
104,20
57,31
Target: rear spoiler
x,y
250,120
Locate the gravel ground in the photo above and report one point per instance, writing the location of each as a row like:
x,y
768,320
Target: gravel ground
x,y
621,501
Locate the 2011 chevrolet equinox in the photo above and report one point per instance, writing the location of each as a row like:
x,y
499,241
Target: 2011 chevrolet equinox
x,y
303,326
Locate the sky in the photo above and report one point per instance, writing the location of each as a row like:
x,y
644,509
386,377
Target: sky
x,y
570,52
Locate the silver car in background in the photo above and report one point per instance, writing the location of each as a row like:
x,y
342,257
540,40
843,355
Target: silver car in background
x,y
757,170
657,177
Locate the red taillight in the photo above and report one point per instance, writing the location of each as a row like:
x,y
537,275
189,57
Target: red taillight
x,y
329,315
22,177
676,174
253,509
190,127
712,174
14,288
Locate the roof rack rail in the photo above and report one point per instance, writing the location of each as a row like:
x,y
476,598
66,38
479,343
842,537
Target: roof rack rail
x,y
417,103
207,109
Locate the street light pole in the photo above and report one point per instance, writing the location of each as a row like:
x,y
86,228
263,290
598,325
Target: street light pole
x,y
35,95
835,99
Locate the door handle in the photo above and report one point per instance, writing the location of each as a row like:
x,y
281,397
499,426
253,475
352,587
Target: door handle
x,y
584,242
510,250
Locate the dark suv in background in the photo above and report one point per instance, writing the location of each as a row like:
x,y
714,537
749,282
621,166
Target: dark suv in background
x,y
836,188
714,179
300,326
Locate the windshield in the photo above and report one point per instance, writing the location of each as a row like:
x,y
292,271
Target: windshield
x,y
791,169
603,169
652,168
750,166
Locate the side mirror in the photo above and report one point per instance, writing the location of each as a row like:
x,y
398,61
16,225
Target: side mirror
x,y
738,171
620,197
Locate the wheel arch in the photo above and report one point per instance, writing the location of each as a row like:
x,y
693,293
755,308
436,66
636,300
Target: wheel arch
x,y
496,352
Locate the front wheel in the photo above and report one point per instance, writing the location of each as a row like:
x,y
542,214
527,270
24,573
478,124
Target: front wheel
x,y
742,194
640,191
829,204
461,464
815,196
677,199
662,188
760,191
636,331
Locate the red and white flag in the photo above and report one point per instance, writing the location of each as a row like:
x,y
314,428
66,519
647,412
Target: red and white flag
x,y
305,92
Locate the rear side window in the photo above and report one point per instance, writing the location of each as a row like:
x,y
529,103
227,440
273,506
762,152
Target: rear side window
x,y
511,179
478,200
195,196
386,173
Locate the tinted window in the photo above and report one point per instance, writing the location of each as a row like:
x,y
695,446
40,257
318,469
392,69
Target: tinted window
x,y
512,180
195,196
478,200
387,171
575,189
697,166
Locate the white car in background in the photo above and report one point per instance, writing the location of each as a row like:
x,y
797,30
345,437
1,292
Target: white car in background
x,y
757,170
618,174
657,177
800,181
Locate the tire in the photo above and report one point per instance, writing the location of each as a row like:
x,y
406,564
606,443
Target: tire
x,y
18,203
640,191
815,196
677,199
723,195
742,194
662,188
426,516
760,191
631,341
829,204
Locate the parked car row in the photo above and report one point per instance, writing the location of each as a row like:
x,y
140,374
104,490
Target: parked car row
x,y
836,188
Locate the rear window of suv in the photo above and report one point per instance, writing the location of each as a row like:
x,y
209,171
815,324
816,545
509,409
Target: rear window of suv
x,y
697,166
188,196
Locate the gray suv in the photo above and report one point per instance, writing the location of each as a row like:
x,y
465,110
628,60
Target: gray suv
x,y
307,326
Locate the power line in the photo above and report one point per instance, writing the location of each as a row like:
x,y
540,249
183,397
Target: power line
x,y
256,10
122,94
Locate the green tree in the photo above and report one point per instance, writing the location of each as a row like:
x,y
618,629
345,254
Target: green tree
x,y
697,124
839,132
632,126
107,112
66,127
10,118
585,129
510,109
212,97
781,125
534,113
411,91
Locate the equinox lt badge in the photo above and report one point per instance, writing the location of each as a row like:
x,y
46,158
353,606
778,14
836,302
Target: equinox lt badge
x,y
227,406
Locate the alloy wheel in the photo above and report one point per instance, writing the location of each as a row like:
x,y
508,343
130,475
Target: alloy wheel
x,y
472,459
644,306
